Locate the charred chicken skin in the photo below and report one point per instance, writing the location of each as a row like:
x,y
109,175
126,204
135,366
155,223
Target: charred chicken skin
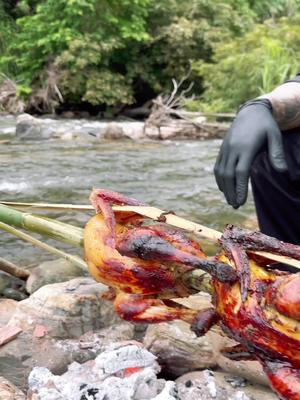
x,y
145,264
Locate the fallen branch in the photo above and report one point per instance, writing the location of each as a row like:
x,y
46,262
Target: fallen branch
x,y
13,269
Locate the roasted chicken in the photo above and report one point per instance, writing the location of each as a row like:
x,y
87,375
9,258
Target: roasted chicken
x,y
145,264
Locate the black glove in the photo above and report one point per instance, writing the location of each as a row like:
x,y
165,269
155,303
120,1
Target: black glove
x,y
253,128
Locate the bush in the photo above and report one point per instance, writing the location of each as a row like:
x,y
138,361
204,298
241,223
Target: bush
x,y
251,65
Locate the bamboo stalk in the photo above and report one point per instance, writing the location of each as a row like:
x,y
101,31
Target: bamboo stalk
x,y
22,235
47,206
155,214
45,226
13,269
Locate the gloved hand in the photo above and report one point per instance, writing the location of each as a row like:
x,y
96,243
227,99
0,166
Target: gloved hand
x,y
253,128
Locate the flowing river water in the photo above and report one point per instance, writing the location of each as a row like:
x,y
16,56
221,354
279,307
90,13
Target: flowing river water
x,y
172,175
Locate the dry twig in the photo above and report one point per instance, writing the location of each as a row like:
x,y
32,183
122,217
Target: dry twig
x,y
13,269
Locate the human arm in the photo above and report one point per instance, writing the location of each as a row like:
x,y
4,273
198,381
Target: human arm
x,y
258,124
285,101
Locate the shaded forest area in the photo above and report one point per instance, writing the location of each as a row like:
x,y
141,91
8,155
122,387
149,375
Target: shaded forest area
x,y
96,55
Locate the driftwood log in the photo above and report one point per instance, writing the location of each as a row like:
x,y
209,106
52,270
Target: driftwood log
x,y
184,129
169,119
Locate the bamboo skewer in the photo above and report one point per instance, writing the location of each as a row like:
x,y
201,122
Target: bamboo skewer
x,y
155,214
22,235
45,226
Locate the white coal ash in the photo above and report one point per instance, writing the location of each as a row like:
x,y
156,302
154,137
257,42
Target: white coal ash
x,y
125,371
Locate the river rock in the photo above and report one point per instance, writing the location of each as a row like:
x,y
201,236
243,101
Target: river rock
x,y
14,294
124,371
250,370
9,281
113,131
54,271
31,128
209,385
8,391
67,114
7,309
66,309
134,130
178,349
11,287
124,130
55,321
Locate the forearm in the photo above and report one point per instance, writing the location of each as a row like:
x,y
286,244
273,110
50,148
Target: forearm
x,y
285,100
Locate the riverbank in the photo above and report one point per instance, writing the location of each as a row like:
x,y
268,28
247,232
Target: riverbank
x,y
29,127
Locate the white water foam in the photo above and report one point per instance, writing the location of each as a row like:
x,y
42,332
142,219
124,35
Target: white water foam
x,y
13,187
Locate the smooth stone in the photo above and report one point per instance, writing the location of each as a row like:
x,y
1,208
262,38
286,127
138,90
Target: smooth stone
x,y
67,309
54,271
31,128
7,308
178,349
250,370
113,131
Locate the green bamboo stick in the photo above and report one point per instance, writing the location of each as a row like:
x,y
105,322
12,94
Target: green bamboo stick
x,y
45,226
22,235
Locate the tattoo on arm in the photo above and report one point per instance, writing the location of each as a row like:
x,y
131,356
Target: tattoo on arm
x,y
285,100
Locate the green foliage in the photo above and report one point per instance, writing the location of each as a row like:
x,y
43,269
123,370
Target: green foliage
x,y
264,9
182,32
7,28
80,36
112,52
251,65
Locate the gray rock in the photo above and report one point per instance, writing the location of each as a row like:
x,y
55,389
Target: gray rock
x,y
55,271
250,370
123,130
178,349
14,294
209,385
55,321
8,391
7,309
67,309
114,131
134,131
7,281
31,128
124,371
